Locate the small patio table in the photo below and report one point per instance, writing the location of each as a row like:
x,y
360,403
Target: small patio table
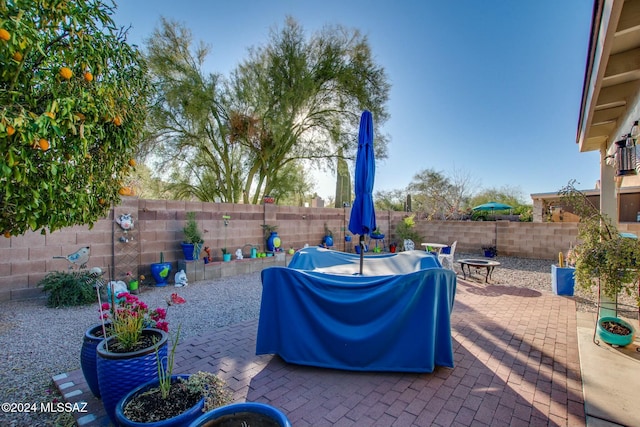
x,y
477,264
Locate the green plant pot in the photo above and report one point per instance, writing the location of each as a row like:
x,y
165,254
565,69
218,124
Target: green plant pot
x,y
611,338
133,285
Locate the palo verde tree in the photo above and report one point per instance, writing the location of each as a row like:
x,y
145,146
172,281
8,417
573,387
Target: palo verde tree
x,y
188,119
72,103
299,99
294,101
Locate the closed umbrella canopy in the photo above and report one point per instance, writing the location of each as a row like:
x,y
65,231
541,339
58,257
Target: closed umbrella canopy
x,y
492,206
363,215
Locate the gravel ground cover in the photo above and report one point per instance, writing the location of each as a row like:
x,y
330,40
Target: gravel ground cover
x,y
37,342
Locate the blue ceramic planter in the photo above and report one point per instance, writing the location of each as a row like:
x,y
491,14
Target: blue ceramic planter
x,y
88,357
119,373
191,251
273,242
178,421
237,411
160,272
562,280
611,338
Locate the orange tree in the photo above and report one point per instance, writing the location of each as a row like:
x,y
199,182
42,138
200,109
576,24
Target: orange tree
x,y
73,100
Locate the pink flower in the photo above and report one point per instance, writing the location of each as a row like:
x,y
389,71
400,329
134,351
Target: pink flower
x,y
163,325
159,314
105,306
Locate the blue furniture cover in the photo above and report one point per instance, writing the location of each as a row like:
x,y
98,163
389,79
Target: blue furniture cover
x,y
398,321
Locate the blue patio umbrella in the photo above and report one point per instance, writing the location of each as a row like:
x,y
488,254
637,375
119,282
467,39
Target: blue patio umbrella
x,y
363,215
492,206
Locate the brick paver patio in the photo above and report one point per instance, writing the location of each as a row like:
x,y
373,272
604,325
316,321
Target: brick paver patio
x,y
516,364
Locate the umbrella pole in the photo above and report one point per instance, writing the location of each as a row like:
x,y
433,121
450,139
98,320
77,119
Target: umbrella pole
x,y
361,253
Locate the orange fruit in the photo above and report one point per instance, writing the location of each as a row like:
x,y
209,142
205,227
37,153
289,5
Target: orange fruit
x,y
101,201
88,76
11,130
17,56
50,115
80,116
66,73
7,234
43,144
124,191
132,163
117,121
4,35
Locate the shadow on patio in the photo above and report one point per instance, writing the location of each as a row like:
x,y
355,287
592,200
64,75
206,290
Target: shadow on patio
x,y
516,363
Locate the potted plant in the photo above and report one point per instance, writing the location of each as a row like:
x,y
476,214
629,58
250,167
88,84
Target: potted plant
x,y
172,400
128,358
226,256
605,255
160,271
377,234
243,414
405,230
192,244
327,240
207,259
271,237
490,250
562,280
132,283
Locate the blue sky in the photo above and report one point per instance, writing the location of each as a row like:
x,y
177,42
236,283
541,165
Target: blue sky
x,y
488,88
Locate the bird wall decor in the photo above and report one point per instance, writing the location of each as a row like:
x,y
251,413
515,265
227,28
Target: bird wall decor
x,y
79,257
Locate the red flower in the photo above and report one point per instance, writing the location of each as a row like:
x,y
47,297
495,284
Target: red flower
x,y
162,325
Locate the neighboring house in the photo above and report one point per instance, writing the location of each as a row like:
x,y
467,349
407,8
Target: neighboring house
x,y
610,100
547,207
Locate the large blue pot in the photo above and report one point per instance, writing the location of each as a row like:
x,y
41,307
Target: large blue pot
x,y
328,241
161,272
237,410
178,421
119,373
273,242
191,251
88,357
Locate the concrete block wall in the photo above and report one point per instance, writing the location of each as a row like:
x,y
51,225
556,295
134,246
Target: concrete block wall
x,y
26,259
